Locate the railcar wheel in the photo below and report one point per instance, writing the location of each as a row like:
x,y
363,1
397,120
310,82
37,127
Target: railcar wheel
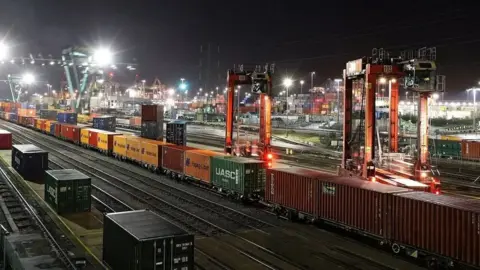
x,y
395,248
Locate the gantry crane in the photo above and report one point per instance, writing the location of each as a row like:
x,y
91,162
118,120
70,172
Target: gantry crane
x,y
362,78
261,83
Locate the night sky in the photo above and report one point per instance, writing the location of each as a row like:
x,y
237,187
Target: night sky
x,y
299,36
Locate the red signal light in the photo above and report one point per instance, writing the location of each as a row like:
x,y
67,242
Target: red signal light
x,y
269,164
269,156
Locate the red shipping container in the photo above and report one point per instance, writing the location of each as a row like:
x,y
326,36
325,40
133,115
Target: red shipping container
x,y
70,133
152,112
92,138
173,157
470,149
5,140
294,188
445,225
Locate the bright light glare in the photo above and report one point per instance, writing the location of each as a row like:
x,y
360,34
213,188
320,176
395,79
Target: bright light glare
x,y
393,80
170,102
3,51
383,80
103,57
287,82
171,91
28,78
183,86
302,82
435,96
338,80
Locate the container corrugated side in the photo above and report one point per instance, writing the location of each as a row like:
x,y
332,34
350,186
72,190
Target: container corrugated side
x,y
173,157
441,224
84,136
68,196
133,148
198,164
356,203
151,153
105,140
294,188
241,175
120,146
5,139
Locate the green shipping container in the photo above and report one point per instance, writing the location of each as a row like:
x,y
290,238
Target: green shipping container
x,y
240,176
68,191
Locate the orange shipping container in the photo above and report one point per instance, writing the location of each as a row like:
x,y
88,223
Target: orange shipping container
x,y
133,148
120,146
197,164
470,149
26,112
151,152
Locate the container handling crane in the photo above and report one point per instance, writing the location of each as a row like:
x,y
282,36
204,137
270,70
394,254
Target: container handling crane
x,y
261,83
362,78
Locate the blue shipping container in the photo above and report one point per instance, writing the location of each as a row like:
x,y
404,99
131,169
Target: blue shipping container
x,y
24,105
52,129
67,118
107,123
13,117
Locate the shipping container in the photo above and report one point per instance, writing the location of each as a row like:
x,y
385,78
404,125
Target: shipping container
x,y
134,148
40,124
470,149
27,121
444,225
41,106
5,140
105,122
84,136
152,130
105,140
152,113
295,189
55,128
12,117
198,163
177,132
70,133
241,176
26,112
68,191
48,114
30,161
67,118
120,146
151,153
135,121
173,158
142,240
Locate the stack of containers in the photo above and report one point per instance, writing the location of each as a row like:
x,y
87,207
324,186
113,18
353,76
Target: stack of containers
x,y
105,122
29,161
48,114
143,240
68,191
152,122
177,132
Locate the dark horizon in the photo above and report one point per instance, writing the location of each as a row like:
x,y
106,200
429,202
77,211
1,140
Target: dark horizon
x,y
165,38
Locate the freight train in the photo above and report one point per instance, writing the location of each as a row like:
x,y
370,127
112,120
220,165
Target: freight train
x,y
440,229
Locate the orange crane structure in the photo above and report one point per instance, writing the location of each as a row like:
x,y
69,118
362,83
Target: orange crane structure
x,y
363,78
261,84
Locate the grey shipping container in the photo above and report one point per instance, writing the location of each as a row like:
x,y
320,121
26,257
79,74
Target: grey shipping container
x,y
142,240
30,161
68,191
152,130
48,114
105,122
243,176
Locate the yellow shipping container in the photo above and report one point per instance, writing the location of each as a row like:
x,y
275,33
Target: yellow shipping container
x,y
47,125
134,148
105,140
120,145
82,118
84,136
151,152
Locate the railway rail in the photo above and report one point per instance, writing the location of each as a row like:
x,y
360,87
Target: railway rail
x,y
198,219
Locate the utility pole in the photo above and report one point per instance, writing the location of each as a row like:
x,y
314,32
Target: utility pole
x,y
311,79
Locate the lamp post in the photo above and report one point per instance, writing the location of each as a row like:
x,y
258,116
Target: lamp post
x,y
287,82
474,90
311,79
301,86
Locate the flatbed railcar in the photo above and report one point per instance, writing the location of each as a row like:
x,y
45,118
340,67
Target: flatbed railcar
x,y
377,211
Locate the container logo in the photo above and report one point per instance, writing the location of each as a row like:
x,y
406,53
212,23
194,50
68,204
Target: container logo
x,y
330,190
189,163
128,146
227,174
53,192
143,150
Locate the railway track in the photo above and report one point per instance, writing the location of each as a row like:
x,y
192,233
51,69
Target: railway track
x,y
29,217
186,210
